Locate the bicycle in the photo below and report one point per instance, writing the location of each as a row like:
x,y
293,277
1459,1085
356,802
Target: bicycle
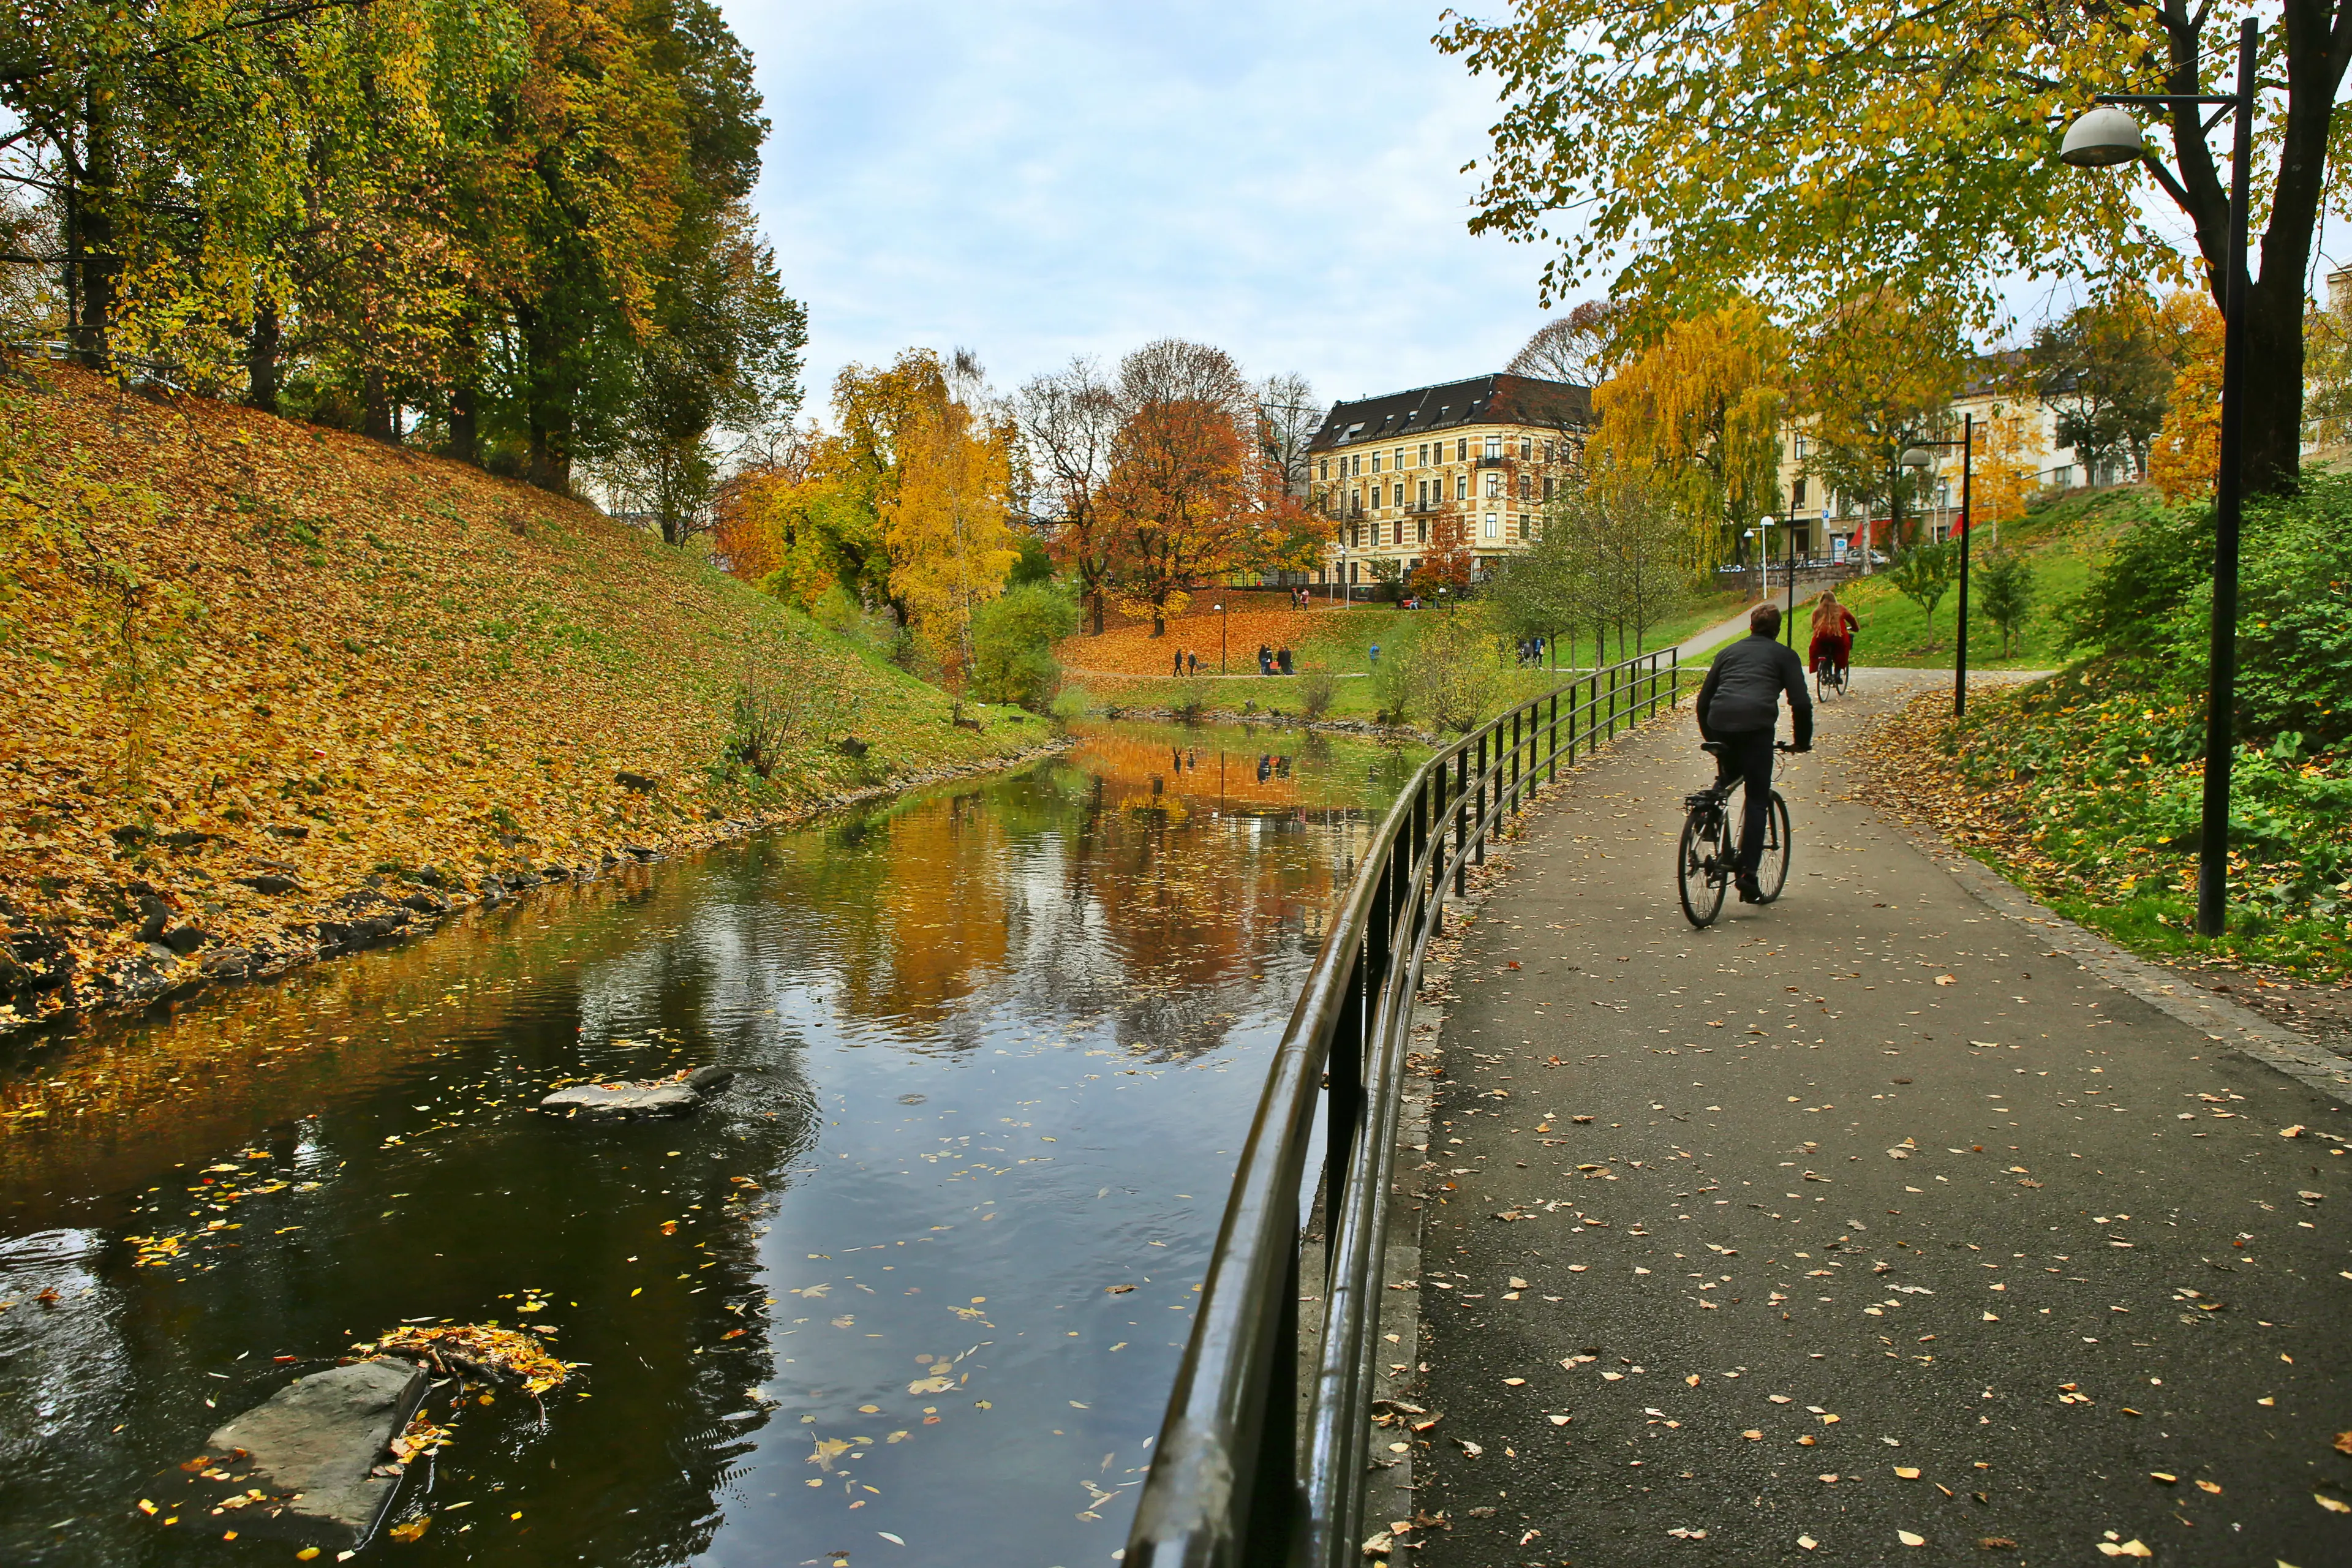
x,y
1827,678
1706,860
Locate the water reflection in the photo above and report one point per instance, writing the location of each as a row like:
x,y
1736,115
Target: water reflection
x,y
920,1277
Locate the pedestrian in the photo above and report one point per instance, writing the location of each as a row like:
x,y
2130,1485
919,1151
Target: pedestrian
x,y
1376,656
1282,658
1194,660
1179,662
1264,659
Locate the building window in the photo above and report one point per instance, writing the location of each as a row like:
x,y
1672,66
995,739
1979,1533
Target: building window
x,y
1326,472
1399,495
1421,455
1547,487
1376,462
1526,487
1462,450
1399,459
1494,486
1548,452
1796,490
1494,526
1422,530
1800,448
1493,445
1527,447
1400,530
1356,535
1523,527
1355,464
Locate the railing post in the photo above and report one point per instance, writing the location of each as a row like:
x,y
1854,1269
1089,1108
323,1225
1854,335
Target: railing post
x,y
1514,785
1460,820
1551,741
1277,1500
1478,817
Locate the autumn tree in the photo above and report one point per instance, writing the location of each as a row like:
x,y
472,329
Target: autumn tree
x,y
948,524
1069,423
1875,377
1698,410
2187,449
1576,348
2106,371
1184,489
1814,152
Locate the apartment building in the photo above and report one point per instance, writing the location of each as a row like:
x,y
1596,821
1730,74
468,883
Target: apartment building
x,y
1396,474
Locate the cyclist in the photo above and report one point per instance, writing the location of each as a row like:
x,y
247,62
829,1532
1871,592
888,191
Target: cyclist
x,y
1833,629
1738,707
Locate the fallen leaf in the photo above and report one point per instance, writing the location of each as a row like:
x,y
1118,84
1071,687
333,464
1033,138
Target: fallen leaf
x,y
890,1538
1752,1434
1807,1541
1997,1543
2165,1476
1905,1536
1909,1472
1943,980
1118,1289
2333,1505
2213,1487
409,1530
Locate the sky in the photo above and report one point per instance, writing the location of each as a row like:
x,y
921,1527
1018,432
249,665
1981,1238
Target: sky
x,y
1034,179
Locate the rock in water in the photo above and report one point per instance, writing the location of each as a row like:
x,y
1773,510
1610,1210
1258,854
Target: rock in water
x,y
623,1101
711,1080
316,1443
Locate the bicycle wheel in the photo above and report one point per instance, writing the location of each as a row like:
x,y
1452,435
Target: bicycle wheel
x,y
1772,865
1702,866
1822,683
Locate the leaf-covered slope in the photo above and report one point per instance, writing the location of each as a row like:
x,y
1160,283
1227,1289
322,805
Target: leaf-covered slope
x,y
237,646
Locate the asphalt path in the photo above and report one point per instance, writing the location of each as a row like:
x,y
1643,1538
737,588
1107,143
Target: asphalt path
x,y
1861,1228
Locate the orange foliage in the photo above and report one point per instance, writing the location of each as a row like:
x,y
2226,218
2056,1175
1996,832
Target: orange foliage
x,y
2187,450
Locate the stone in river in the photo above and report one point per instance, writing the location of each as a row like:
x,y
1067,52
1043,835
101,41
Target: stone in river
x,y
622,1102
318,1443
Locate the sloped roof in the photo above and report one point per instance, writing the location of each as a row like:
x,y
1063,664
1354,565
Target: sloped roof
x,y
1499,398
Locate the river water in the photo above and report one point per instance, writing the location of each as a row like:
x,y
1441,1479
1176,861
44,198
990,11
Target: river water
x,y
911,1292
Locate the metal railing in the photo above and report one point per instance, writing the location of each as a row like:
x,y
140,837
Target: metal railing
x,y
1247,1473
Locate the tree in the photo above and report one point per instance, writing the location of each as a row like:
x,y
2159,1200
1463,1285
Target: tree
x,y
1012,645
948,524
1069,422
1287,418
1180,492
2188,449
1699,409
1815,152
1877,377
1923,574
1576,348
2005,589
1447,565
2105,369
2005,476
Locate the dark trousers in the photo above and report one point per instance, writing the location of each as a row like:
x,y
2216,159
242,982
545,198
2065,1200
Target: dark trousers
x,y
1747,756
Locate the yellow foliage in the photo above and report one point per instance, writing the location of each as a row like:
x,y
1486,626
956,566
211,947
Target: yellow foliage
x,y
949,527
2187,450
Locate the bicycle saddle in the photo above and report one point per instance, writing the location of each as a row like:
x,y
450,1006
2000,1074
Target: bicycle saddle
x,y
1712,748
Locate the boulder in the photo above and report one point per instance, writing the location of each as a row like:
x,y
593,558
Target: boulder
x,y
313,1450
623,1101
629,1101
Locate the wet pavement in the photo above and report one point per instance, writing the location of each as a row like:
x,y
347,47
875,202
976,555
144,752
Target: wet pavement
x,y
1861,1228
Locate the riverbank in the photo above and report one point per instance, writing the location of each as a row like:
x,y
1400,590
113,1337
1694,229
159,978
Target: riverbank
x,y
276,692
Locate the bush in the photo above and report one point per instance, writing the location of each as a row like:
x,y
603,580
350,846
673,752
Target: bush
x,y
1012,643
1318,687
2006,586
1446,673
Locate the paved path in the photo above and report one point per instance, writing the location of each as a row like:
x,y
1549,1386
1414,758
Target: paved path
x,y
1873,1230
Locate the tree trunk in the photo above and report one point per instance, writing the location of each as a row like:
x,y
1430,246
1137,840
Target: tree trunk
x,y
2271,461
464,423
96,234
1098,611
261,358
550,416
377,409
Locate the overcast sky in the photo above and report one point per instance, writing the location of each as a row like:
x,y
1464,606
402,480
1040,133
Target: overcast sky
x,y
1036,178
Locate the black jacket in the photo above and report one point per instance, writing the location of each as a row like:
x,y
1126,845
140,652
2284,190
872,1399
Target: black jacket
x,y
1743,687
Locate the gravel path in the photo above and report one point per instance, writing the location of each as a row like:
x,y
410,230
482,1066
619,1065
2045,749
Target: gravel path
x,y
1869,1228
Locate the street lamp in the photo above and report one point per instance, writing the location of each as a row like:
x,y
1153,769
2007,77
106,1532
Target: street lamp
x,y
1220,607
2105,137
1918,459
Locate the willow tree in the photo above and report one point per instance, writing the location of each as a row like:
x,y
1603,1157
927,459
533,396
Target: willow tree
x,y
1697,413
1813,150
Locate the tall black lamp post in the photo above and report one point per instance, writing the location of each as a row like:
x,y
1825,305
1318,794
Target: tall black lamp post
x,y
1918,459
1220,607
2104,137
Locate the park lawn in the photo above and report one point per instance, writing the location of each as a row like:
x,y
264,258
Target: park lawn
x,y
1254,697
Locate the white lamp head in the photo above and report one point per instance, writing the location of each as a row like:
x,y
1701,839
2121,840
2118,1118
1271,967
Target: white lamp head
x,y
2100,138
1918,457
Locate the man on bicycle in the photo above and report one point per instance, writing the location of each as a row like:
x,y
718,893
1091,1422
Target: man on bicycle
x,y
1738,707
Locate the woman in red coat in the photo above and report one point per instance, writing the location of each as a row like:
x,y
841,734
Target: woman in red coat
x,y
1833,629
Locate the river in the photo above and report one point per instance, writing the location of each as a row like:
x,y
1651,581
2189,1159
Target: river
x,y
912,1290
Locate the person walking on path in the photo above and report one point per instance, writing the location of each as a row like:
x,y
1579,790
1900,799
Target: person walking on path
x,y
1282,659
1193,659
1833,629
1740,707
1180,661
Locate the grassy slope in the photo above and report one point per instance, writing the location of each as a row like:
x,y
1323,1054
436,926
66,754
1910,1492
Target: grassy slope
x,y
352,660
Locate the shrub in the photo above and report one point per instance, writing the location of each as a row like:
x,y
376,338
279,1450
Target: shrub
x,y
1923,574
1318,687
1012,643
2006,586
1446,673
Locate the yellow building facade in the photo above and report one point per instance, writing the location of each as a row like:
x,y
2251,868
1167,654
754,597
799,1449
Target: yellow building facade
x,y
1466,466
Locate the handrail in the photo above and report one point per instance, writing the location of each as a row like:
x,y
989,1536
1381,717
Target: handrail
x,y
1235,1481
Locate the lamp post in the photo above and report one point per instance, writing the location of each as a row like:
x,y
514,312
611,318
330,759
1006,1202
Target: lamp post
x,y
1919,459
1220,607
2103,138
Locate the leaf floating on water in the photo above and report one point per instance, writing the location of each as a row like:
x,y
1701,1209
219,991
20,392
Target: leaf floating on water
x,y
827,1450
409,1530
